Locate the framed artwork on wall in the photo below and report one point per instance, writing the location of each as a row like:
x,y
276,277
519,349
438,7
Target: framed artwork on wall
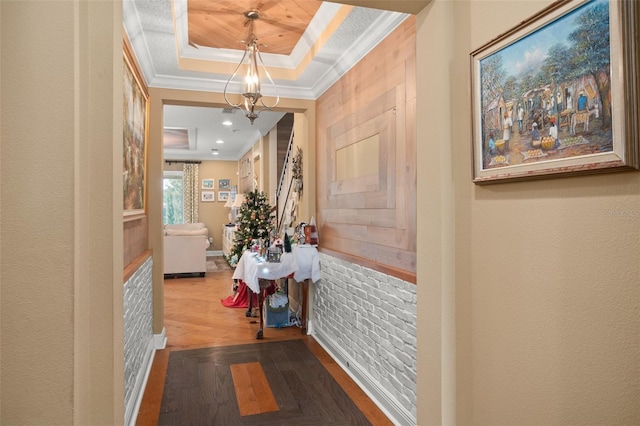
x,y
224,184
208,183
223,195
557,94
208,196
134,140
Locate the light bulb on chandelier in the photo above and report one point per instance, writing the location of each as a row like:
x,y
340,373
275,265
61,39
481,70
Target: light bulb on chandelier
x,y
250,64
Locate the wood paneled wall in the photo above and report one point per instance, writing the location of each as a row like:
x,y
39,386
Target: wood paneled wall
x,y
371,220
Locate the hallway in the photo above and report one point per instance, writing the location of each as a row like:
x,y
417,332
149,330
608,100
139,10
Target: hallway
x,y
195,319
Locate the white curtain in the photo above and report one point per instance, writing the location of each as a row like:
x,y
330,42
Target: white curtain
x,y
190,191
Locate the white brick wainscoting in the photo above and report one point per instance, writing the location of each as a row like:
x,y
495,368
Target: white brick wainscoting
x,y
367,321
139,345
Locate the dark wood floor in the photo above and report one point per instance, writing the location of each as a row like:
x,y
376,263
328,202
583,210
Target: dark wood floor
x,y
195,319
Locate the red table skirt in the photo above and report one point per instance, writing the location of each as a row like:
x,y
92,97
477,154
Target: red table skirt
x,y
241,297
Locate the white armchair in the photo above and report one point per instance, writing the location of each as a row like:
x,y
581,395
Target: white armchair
x,y
185,249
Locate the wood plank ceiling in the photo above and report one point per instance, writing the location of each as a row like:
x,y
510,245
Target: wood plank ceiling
x,y
222,23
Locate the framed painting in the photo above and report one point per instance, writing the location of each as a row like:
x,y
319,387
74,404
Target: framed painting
x,y
208,183
558,94
223,195
208,196
134,140
224,184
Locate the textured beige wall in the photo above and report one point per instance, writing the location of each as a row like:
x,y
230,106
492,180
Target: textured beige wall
x,y
61,266
28,169
545,274
435,218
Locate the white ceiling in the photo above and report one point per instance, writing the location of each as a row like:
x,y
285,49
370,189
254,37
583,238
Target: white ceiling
x,y
205,126
160,44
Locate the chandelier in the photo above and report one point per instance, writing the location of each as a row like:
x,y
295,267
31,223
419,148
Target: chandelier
x,y
249,67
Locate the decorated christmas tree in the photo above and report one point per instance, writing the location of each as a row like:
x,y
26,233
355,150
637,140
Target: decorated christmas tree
x,y
254,223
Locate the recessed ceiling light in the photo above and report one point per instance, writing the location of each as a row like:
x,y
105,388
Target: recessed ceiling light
x,y
220,141
227,123
214,152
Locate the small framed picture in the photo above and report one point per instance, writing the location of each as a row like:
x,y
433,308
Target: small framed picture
x,y
208,183
224,183
208,196
223,195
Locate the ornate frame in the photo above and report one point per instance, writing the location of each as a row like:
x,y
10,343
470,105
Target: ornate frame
x,y
497,90
135,138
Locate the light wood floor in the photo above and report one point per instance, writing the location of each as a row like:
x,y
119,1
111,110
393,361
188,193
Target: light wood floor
x,y
195,318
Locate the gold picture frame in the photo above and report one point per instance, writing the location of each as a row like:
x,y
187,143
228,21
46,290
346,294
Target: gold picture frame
x,y
549,99
135,137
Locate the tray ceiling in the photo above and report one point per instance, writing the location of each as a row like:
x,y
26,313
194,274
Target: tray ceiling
x,y
195,45
280,24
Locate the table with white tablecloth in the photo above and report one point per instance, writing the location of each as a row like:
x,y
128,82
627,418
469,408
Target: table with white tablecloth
x,y
302,264
251,267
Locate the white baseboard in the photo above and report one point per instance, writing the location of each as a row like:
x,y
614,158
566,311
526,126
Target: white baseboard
x,y
131,413
382,398
160,340
214,252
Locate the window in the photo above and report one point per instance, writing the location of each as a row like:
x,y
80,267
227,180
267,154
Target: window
x,y
172,198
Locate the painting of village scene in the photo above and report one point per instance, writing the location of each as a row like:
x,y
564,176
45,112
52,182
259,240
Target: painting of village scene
x,y
134,144
547,96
